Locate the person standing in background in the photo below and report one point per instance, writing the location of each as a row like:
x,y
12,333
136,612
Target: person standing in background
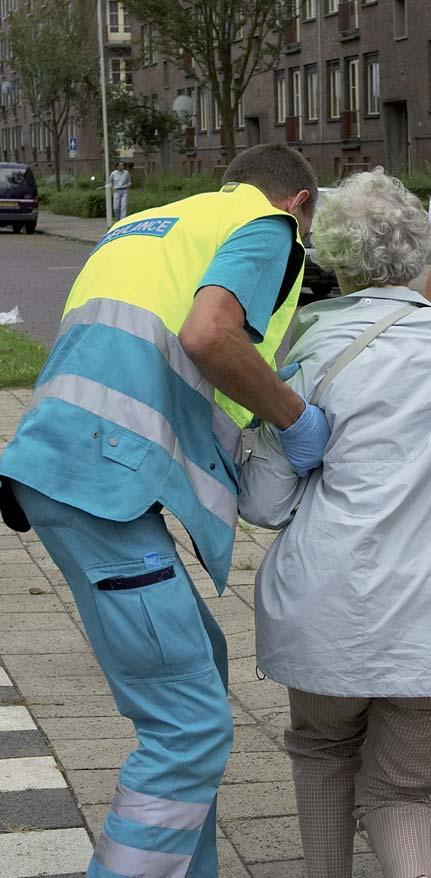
x,y
120,185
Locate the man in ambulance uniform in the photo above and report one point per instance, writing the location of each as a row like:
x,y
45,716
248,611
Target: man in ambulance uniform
x,y
124,421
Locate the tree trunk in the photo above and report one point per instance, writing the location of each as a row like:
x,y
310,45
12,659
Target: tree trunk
x,y
57,158
228,120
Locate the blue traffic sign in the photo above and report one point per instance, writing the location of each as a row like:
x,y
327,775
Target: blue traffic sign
x,y
73,144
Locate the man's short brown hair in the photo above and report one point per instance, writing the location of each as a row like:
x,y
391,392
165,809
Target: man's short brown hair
x,y
276,169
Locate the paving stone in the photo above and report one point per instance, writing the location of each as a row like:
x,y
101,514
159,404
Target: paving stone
x,y
241,644
273,722
73,706
240,716
95,728
19,643
14,719
256,800
268,838
65,688
27,569
9,541
245,593
55,665
107,753
22,585
249,739
241,577
40,603
38,809
230,865
261,694
35,772
242,670
9,695
254,767
17,556
33,621
93,787
94,816
22,743
27,854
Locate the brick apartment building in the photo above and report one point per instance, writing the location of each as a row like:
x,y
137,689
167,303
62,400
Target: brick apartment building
x,y
25,138
351,88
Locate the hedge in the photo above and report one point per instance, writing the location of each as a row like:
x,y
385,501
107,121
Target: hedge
x,y
154,193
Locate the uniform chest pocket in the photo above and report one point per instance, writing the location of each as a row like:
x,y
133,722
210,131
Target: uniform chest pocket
x,y
125,449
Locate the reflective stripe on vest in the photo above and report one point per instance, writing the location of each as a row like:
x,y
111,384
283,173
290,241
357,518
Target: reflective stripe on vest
x,y
136,863
145,325
134,415
157,811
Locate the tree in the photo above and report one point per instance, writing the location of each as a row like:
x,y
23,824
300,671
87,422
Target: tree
x,y
221,42
137,120
53,58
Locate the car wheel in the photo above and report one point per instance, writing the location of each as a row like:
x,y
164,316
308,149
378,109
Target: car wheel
x,y
16,228
321,290
30,228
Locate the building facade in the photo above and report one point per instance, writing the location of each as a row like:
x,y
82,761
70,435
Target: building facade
x,y
25,138
351,89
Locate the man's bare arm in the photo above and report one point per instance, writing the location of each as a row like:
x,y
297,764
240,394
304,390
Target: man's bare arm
x,y
214,337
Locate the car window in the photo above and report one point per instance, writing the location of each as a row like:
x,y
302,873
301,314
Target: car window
x,y
17,181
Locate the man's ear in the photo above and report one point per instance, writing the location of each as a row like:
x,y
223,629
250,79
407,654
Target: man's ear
x,y
292,202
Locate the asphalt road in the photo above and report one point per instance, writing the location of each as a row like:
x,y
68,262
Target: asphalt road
x,y
36,273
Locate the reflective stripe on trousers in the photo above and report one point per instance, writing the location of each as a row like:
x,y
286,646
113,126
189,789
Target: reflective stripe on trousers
x,y
146,422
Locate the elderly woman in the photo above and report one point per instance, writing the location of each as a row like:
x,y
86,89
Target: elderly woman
x,y
343,597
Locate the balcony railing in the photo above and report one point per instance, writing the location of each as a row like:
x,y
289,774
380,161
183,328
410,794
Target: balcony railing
x,y
350,124
348,16
293,129
117,37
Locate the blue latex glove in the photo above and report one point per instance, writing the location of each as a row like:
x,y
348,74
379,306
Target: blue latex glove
x,y
304,442
284,373
287,372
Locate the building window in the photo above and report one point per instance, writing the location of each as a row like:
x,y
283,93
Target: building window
x,y
121,72
400,19
353,95
292,32
373,84
334,89
309,10
203,109
280,97
165,74
216,115
118,18
311,86
331,6
149,45
295,102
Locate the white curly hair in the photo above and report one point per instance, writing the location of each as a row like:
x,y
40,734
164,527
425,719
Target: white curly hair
x,y
372,231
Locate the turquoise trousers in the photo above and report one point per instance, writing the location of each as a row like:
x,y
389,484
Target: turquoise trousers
x,y
166,662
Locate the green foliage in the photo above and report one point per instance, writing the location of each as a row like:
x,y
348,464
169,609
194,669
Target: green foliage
x,y
21,359
418,182
136,120
154,192
229,42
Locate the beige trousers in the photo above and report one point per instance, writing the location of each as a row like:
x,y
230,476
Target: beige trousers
x,y
368,760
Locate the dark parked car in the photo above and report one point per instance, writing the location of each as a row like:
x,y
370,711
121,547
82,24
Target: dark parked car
x,y
320,282
18,197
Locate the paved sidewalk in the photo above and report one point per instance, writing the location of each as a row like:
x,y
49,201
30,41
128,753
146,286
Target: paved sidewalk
x,y
62,741
73,227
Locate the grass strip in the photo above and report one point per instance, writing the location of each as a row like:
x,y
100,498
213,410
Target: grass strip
x,y
21,359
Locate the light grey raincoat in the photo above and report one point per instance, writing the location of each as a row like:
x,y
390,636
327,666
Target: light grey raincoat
x,y
343,596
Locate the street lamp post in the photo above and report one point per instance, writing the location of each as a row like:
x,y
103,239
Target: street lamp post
x,y
108,196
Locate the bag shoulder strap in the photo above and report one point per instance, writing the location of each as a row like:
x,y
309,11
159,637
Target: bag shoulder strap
x,y
359,345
